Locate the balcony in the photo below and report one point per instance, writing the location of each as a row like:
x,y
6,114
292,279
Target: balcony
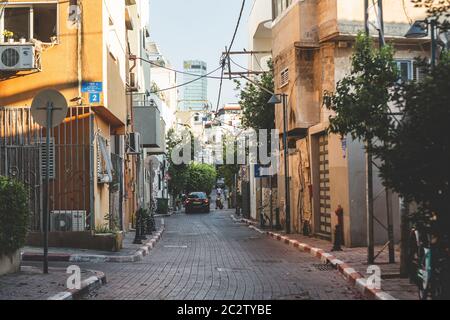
x,y
260,32
147,121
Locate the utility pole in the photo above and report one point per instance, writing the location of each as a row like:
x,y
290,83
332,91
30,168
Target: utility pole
x,y
369,172
390,227
381,23
366,17
286,165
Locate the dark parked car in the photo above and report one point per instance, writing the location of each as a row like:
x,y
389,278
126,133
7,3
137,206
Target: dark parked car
x,y
197,202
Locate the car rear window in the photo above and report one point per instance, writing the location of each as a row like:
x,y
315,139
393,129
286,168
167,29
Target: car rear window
x,y
197,196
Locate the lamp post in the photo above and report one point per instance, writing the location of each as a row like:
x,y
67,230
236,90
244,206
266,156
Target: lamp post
x,y
421,29
277,99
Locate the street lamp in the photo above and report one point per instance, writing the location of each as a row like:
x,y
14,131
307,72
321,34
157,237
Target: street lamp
x,y
278,99
421,29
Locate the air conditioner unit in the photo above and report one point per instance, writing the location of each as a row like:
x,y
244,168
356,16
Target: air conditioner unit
x,y
134,143
74,221
16,57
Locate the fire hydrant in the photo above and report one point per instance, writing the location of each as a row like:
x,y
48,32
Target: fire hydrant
x,y
338,232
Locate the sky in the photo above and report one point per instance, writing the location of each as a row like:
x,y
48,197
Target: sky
x,y
200,29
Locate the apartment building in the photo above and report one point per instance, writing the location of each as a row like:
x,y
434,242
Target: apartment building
x,y
90,52
312,43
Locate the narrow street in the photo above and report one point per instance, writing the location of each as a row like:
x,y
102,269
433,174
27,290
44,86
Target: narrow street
x,y
205,256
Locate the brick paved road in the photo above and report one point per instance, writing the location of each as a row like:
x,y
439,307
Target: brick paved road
x,y
211,257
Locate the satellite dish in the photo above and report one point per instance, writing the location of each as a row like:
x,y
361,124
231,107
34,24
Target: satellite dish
x,y
41,102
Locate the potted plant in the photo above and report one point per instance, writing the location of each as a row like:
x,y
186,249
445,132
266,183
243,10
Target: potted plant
x,y
8,35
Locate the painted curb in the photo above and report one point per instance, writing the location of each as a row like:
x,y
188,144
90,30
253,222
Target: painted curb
x,y
87,286
137,256
351,275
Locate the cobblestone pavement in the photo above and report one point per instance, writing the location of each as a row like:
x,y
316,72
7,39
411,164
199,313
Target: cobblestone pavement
x,y
211,257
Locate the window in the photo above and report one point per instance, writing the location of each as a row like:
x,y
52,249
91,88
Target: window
x,y
418,73
31,22
279,6
17,20
405,69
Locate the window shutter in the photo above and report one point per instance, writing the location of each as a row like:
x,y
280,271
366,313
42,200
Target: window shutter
x,y
43,143
284,77
418,73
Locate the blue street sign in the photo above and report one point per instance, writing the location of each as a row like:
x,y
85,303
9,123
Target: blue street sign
x,y
258,171
94,97
92,87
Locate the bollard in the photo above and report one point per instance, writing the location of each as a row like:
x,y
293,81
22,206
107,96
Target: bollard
x,y
142,225
137,237
277,219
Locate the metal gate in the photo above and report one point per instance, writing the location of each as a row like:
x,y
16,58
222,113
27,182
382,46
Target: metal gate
x,y
324,179
22,156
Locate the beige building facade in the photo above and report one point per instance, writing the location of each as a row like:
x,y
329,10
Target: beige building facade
x,y
312,43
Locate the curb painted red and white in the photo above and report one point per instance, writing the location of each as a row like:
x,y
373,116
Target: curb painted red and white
x,y
350,274
87,286
63,257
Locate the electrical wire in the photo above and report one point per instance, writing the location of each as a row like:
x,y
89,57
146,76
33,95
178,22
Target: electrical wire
x,y
223,61
406,13
186,83
244,68
174,70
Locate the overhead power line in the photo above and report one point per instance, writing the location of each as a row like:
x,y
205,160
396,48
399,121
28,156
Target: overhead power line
x,y
246,69
224,59
186,83
174,70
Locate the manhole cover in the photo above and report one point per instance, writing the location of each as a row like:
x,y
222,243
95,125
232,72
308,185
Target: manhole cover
x,y
323,267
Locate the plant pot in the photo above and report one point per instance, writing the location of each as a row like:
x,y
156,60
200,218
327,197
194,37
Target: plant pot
x,y
10,40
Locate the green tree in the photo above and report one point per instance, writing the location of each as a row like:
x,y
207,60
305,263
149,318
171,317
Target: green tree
x,y
361,100
257,113
178,173
201,177
361,108
228,171
416,156
14,215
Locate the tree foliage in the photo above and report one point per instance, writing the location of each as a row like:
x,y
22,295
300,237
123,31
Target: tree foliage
x,y
361,100
201,177
257,113
14,215
416,158
228,171
436,9
178,173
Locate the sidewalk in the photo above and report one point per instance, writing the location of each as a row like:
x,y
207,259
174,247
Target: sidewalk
x,y
354,258
129,253
31,284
